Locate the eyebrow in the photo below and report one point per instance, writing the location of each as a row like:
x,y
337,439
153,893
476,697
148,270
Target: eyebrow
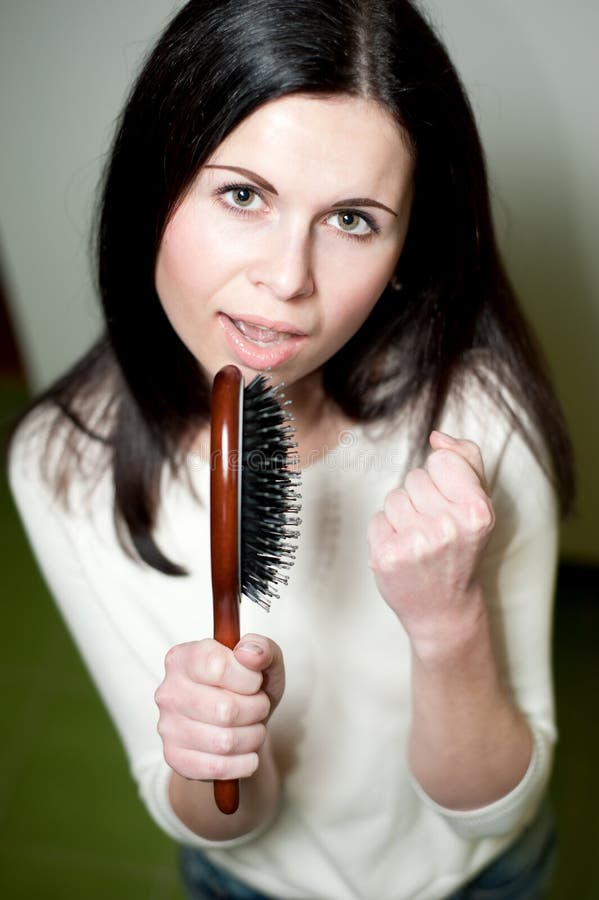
x,y
249,174
362,201
341,204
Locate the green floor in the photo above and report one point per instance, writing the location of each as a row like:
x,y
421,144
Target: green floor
x,y
71,826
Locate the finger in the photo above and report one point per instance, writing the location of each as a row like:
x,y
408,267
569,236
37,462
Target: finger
x,y
206,738
399,509
453,476
424,494
208,662
214,706
256,652
457,481
200,766
261,654
468,450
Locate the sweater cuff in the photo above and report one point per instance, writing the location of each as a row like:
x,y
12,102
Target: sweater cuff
x,y
510,812
154,790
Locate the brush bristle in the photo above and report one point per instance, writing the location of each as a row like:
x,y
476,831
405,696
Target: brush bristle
x,y
270,492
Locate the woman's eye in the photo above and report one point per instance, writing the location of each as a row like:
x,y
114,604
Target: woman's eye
x,y
242,197
351,223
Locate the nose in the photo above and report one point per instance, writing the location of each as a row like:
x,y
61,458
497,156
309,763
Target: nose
x,y
284,264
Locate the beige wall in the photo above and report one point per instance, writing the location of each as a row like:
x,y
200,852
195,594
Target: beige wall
x,y
531,69
532,72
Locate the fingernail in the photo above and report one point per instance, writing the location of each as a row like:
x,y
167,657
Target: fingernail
x,y
251,647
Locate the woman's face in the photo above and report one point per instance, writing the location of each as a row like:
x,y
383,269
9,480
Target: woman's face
x,y
288,236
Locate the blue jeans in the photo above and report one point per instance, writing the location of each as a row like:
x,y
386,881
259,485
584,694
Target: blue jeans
x,y
522,872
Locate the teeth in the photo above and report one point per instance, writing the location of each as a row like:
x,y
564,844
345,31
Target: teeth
x,y
243,327
267,335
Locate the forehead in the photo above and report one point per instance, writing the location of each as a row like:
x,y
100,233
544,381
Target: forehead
x,y
340,138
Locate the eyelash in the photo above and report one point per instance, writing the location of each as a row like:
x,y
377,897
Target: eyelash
x,y
224,189
228,188
374,228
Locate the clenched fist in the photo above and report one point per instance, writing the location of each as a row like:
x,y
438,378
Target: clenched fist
x,y
426,542
214,704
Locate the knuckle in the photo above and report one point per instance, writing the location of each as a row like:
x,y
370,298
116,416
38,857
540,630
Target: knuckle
x,y
161,727
216,767
225,742
395,506
214,665
447,530
419,546
163,697
171,658
481,516
225,711
388,557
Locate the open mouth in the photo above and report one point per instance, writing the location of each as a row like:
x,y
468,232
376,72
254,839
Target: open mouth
x,y
259,342
262,334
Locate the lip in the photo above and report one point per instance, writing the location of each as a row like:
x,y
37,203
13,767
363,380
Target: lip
x,y
257,356
281,327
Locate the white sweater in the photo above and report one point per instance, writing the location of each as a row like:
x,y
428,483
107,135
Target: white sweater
x,y
353,823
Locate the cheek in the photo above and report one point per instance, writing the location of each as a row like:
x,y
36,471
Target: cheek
x,y
356,299
177,270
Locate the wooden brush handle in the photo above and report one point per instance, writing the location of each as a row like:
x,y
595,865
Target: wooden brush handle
x,y
225,487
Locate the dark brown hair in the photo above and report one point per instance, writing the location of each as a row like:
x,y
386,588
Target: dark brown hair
x,y
216,62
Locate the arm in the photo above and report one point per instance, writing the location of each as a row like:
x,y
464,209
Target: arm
x,y
470,744
115,612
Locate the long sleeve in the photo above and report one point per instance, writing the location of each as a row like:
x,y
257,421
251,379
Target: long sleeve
x,y
107,602
518,577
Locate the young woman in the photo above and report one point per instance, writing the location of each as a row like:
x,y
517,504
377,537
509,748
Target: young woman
x,y
300,187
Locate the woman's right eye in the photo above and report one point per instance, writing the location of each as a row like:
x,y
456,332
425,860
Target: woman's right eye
x,y
241,196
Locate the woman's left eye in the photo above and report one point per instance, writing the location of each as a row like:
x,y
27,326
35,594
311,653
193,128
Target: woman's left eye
x,y
352,223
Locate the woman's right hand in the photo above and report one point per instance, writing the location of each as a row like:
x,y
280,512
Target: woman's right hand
x,y
214,704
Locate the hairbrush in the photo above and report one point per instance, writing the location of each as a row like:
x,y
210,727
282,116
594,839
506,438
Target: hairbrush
x,y
254,501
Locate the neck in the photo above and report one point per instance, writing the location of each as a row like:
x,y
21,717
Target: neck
x,y
318,420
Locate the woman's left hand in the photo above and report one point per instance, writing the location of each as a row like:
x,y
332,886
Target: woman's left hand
x,y
426,543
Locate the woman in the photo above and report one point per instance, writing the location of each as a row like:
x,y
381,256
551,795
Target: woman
x,y
300,187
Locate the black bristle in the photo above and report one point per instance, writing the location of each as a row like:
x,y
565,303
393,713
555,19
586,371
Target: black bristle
x,y
269,491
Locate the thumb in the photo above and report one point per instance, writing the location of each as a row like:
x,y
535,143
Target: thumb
x,y
259,653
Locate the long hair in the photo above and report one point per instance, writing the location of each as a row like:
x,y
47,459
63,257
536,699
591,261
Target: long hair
x,y
216,63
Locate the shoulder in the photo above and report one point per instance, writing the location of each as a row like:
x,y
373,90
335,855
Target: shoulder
x,y
483,407
485,410
55,451
65,435
486,406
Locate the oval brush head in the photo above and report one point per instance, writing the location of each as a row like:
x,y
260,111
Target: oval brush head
x,y
270,498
